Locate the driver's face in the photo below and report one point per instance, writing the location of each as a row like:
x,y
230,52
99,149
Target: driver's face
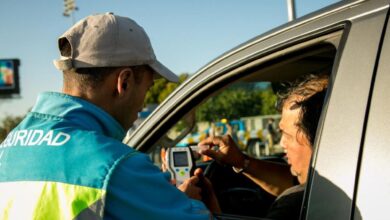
x,y
295,143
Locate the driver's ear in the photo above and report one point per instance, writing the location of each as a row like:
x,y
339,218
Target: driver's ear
x,y
125,81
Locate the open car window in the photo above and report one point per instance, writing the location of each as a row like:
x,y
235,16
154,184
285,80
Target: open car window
x,y
245,108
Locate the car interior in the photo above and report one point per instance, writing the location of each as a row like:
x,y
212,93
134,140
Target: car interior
x,y
251,89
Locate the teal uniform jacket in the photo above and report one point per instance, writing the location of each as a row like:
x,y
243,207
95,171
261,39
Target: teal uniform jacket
x,y
65,160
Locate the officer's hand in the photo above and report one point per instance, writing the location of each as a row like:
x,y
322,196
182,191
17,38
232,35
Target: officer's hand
x,y
227,152
208,195
190,188
164,165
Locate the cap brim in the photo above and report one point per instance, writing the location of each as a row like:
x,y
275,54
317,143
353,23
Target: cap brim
x,y
163,71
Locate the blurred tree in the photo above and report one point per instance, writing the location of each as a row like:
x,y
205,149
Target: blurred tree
x,y
268,99
8,123
236,102
162,88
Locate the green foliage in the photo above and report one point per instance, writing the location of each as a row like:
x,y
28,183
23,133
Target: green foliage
x,y
246,99
161,89
268,99
8,123
237,102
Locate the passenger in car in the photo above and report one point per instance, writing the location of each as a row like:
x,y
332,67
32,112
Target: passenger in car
x,y
301,106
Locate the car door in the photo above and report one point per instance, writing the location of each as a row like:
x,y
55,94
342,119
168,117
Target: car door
x,y
331,189
372,190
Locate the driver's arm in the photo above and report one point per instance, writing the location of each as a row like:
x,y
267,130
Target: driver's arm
x,y
272,177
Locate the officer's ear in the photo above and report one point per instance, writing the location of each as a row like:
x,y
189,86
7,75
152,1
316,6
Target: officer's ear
x,y
125,81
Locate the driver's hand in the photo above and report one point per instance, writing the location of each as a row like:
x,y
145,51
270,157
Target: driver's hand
x,y
227,152
190,188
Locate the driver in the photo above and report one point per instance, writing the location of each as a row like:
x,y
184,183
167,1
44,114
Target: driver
x,y
301,107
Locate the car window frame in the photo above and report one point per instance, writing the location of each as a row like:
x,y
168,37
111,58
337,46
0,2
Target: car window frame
x,y
199,85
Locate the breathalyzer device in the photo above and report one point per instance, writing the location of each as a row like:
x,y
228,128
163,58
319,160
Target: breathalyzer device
x,y
180,163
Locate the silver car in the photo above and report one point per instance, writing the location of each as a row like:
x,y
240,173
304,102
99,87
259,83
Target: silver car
x,y
350,168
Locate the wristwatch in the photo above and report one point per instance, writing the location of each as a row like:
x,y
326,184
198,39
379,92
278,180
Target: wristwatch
x,y
243,168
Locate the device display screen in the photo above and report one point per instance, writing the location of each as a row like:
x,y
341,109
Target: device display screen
x,y
180,159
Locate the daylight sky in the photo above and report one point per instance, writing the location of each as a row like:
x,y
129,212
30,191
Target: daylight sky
x,y
185,34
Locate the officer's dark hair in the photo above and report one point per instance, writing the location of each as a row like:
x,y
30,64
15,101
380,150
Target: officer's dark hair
x,y
89,78
85,78
92,78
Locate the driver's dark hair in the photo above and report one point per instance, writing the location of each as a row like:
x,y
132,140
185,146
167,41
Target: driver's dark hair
x,y
307,93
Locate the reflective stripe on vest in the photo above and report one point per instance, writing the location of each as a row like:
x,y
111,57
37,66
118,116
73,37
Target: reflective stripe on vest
x,y
50,200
